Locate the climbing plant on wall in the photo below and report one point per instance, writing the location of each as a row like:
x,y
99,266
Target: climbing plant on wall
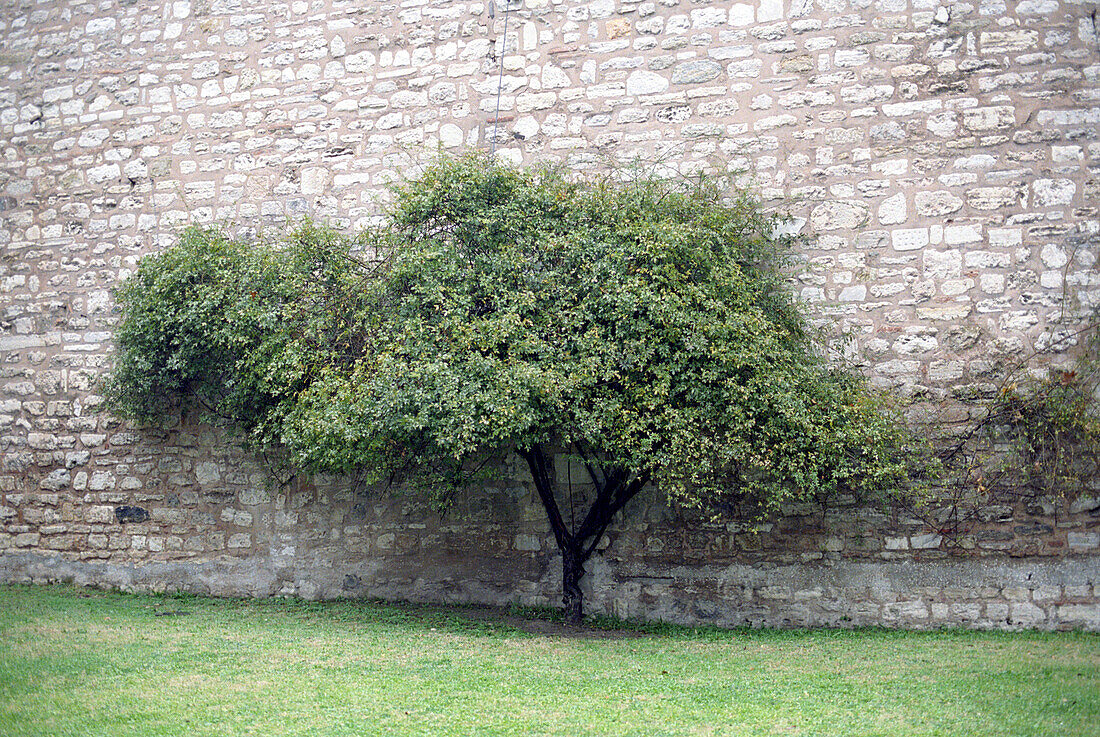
x,y
640,328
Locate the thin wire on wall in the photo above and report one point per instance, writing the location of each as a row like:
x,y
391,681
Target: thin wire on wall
x,y
500,77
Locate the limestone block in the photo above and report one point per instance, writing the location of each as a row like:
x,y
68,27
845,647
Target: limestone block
x,y
711,17
839,215
948,313
942,264
314,180
359,63
239,540
1004,42
1083,540
905,611
855,293
1081,615
925,542
982,119
450,135
528,542
253,496
909,239
908,345
937,204
992,198
1053,192
99,515
916,107
696,71
643,82
742,14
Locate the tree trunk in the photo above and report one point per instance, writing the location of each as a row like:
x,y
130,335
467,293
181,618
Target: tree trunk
x,y
614,488
572,571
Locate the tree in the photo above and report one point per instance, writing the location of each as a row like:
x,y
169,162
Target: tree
x,y
641,328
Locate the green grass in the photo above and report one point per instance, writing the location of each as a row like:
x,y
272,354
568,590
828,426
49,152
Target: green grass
x,y
84,662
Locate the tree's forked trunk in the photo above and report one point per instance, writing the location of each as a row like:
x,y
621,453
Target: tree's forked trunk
x,y
613,490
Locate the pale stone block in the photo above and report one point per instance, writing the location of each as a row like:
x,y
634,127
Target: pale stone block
x,y
851,58
1053,192
712,17
940,371
253,496
917,107
856,293
942,264
1046,593
643,82
101,481
956,287
1066,154
1087,615
528,542
696,71
925,542
909,239
1054,256
314,180
992,198
839,215
949,313
1004,42
982,119
56,94
966,611
1083,540
450,135
769,10
937,204
364,61
1005,237
943,124
239,540
992,283
535,101
908,345
1026,614
955,235
906,610
742,14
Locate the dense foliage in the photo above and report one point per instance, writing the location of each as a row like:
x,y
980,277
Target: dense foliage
x,y
642,328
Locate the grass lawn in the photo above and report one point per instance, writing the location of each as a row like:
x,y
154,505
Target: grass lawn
x,y
85,662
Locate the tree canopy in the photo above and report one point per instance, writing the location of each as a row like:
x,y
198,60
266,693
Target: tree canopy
x,y
641,327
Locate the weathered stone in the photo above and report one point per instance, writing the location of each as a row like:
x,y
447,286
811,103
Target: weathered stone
x,y
126,514
696,71
642,82
937,204
839,215
1053,192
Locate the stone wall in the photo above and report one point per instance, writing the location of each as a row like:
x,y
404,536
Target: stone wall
x,y
940,157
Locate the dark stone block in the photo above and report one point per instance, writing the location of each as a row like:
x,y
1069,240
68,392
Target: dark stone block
x,y
131,514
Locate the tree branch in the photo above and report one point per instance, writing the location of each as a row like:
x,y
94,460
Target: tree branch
x,y
544,484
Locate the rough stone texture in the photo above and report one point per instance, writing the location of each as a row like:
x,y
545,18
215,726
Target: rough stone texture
x,y
939,156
